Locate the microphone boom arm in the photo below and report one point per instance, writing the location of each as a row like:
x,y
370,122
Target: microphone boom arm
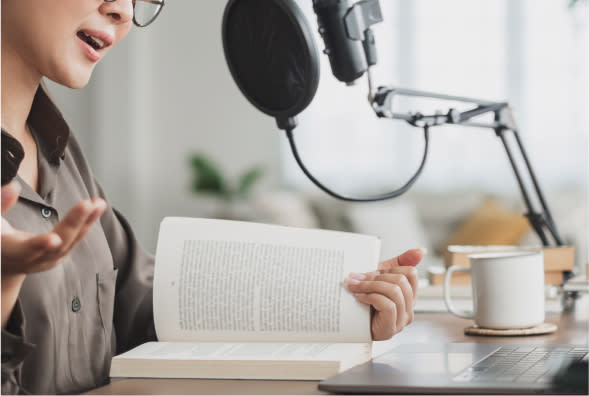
x,y
503,122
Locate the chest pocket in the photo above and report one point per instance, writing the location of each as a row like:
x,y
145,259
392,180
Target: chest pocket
x,y
91,330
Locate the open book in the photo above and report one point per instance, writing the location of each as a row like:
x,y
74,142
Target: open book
x,y
236,299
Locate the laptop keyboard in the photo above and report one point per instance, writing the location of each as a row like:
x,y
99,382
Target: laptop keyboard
x,y
534,364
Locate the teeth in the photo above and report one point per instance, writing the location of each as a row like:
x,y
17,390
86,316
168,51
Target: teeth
x,y
95,42
98,41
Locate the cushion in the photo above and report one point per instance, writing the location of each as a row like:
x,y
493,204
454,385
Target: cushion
x,y
490,224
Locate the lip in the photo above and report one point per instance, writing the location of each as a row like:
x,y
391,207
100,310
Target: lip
x,y
107,38
88,50
92,54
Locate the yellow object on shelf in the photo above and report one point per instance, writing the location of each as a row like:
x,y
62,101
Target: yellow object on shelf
x,y
556,259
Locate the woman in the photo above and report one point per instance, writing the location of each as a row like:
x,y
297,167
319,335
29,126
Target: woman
x,y
76,285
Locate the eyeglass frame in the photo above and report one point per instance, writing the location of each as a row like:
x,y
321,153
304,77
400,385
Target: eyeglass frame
x,y
161,3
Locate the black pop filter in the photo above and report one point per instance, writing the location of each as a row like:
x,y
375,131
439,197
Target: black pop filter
x,y
271,54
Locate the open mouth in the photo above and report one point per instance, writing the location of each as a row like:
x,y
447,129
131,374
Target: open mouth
x,y
92,41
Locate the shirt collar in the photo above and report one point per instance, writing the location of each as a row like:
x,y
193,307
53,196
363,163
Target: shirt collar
x,y
49,127
51,134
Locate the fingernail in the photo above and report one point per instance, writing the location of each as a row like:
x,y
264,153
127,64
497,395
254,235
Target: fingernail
x,y
357,276
99,203
375,273
423,250
87,207
359,294
54,240
16,186
352,281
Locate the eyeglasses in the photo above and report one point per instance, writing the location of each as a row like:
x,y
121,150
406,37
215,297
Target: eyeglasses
x,y
145,11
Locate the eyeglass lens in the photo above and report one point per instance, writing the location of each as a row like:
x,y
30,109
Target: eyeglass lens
x,y
145,11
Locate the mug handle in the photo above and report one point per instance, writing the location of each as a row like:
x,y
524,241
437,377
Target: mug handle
x,y
458,312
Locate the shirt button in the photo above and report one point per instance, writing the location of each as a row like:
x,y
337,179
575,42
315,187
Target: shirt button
x,y
45,212
76,304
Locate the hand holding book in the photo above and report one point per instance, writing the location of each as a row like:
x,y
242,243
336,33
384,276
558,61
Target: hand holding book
x,y
244,300
391,292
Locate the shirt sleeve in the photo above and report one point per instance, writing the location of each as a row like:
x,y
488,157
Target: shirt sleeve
x,y
14,351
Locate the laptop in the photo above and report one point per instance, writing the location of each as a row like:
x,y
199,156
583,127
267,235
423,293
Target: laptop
x,y
462,368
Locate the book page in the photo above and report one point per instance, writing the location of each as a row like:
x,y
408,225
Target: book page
x,y
248,360
220,280
244,351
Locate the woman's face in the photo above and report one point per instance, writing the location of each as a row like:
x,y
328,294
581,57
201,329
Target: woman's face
x,y
63,39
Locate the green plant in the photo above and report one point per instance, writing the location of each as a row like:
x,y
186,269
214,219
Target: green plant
x,y
208,178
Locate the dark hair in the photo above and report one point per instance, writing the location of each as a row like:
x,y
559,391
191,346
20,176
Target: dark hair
x,y
12,155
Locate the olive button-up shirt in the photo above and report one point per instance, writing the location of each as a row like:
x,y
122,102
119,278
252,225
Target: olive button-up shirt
x,y
69,321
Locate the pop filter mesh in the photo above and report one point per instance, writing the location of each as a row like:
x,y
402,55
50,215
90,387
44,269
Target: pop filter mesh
x,y
271,55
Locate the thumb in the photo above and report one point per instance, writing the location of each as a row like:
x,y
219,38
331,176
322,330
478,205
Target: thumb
x,y
9,194
410,258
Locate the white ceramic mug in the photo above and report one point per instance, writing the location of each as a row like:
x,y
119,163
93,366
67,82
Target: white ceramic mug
x,y
507,289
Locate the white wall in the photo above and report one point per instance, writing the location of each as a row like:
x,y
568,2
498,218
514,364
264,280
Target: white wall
x,y
162,93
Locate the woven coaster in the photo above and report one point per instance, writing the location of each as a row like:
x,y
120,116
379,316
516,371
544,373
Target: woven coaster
x,y
543,328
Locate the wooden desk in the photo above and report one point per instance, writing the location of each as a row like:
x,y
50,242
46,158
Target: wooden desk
x,y
427,328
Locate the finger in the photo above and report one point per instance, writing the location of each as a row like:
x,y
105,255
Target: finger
x,y
24,253
24,245
409,258
402,281
390,291
410,273
71,225
386,316
99,208
10,195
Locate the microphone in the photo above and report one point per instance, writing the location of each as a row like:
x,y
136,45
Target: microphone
x,y
349,41
271,54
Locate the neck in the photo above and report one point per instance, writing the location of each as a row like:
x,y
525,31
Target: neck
x,y
19,84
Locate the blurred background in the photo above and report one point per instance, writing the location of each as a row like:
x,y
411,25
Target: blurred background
x,y
162,108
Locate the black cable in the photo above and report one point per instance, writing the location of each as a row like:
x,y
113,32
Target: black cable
x,y
391,194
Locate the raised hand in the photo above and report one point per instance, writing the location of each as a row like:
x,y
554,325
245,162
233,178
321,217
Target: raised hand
x,y
24,253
